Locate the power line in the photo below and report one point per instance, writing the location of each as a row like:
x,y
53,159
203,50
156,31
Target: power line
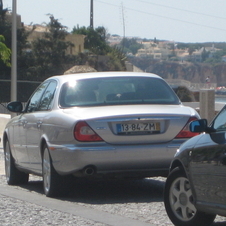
x,y
188,22
184,10
165,17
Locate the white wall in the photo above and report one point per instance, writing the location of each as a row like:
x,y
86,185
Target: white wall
x,y
4,118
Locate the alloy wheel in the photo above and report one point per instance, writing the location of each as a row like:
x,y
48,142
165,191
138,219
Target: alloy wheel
x,y
46,170
7,161
181,199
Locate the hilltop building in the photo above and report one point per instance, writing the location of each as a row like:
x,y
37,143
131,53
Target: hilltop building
x,y
160,50
77,40
38,32
9,18
164,49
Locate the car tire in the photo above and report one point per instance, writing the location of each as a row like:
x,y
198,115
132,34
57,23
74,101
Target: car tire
x,y
178,200
13,175
54,185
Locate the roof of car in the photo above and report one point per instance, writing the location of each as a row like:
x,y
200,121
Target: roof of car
x,y
103,74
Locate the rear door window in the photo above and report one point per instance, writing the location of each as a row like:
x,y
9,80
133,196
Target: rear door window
x,y
33,104
47,98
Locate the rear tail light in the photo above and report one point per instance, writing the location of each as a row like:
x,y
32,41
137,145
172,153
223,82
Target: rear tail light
x,y
83,132
185,132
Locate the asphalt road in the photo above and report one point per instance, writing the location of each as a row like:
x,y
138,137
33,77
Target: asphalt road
x,y
96,203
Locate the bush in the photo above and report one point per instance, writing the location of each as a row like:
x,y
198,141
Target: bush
x,y
184,94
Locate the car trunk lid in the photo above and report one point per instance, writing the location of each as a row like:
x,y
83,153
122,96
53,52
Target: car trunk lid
x,y
135,124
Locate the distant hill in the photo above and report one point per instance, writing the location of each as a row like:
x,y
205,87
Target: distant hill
x,y
193,72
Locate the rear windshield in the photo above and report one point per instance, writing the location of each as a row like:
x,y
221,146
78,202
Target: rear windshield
x,y
116,91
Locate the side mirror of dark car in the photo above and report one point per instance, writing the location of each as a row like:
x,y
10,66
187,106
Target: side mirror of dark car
x,y
15,106
198,126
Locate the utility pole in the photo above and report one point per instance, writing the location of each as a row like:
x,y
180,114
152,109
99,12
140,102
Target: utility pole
x,y
1,5
14,54
123,21
124,28
91,14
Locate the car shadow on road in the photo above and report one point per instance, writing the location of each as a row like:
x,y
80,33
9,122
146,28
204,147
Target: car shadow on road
x,y
219,224
118,191
109,191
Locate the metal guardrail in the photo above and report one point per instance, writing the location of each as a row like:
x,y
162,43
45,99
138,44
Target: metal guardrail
x,y
191,86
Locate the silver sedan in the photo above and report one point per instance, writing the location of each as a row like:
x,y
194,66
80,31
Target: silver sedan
x,y
108,124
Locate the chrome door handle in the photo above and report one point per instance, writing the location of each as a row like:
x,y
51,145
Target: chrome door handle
x,y
39,123
24,123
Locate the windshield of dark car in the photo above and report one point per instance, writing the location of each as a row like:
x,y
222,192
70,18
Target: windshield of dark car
x,y
220,121
116,91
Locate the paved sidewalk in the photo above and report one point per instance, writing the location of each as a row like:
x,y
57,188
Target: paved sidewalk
x,y
1,144
2,165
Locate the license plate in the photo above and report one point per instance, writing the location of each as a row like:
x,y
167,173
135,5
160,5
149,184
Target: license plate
x,y
153,127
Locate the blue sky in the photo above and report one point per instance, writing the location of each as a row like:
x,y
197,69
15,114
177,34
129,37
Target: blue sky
x,y
174,20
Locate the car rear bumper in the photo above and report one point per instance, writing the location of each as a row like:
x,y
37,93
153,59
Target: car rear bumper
x,y
150,160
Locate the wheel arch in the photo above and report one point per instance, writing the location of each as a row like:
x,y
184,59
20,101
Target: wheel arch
x,y
42,144
4,139
177,164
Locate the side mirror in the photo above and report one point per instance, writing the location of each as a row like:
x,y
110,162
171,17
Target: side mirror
x,y
198,126
15,106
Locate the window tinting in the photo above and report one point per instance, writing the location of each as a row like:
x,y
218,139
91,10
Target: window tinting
x,y
46,101
35,99
220,121
117,91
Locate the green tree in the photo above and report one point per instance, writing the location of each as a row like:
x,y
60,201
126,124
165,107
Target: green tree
x,y
130,45
96,43
184,94
5,31
5,52
191,49
216,58
155,40
95,40
204,55
22,45
49,52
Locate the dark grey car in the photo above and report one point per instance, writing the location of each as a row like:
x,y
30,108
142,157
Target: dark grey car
x,y
195,190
